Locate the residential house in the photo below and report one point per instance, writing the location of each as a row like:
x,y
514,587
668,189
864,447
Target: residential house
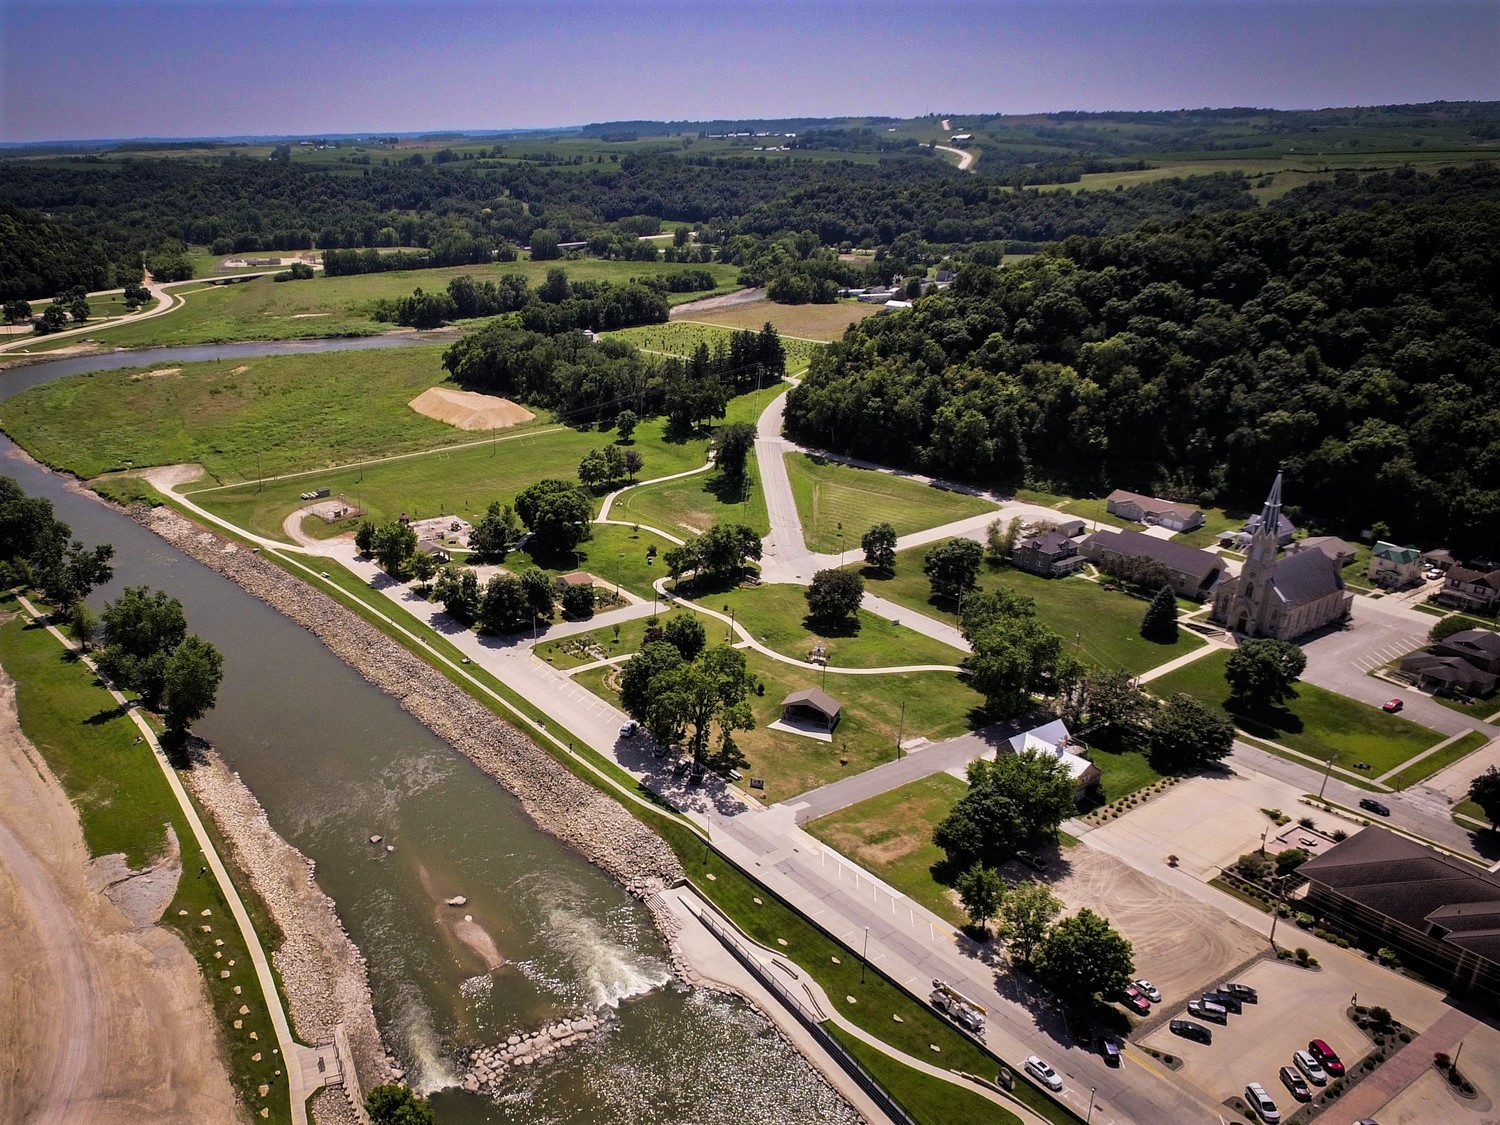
x,y
1334,549
1194,572
1152,512
1286,530
1050,554
1054,740
1436,911
1480,647
1470,589
1448,675
1440,557
1283,598
1394,567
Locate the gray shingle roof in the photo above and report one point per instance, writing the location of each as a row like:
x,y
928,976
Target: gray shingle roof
x,y
1305,577
1187,560
1485,641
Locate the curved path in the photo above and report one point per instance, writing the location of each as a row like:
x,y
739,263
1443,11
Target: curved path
x,y
965,159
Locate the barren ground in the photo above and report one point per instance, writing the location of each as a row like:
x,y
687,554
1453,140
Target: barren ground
x,y
104,1021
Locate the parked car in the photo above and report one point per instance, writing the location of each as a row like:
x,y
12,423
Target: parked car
x,y
1310,1067
1261,1103
1230,1004
1326,1055
1190,1030
1109,1049
1036,863
1374,806
1243,992
1043,1073
1148,990
1207,1011
1392,706
1133,1000
1295,1084
628,728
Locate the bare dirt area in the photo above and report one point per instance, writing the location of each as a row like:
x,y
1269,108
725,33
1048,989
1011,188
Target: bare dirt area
x,y
466,410
1181,945
689,310
105,1020
166,478
808,322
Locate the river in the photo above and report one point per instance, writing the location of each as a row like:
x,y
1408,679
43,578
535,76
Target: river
x,y
334,762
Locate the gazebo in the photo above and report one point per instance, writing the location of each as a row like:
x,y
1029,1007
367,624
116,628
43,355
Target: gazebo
x,y
810,702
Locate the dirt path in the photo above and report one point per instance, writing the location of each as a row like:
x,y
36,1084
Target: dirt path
x,y
724,301
103,1022
965,159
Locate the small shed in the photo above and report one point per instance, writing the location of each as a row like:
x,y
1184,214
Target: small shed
x,y
811,702
435,549
574,578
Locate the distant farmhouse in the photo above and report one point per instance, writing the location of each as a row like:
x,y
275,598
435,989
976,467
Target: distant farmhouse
x,y
1283,598
1334,549
1194,572
1151,511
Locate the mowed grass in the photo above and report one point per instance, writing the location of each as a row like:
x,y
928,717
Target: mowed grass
x,y
680,337
125,806
921,1096
830,494
606,642
810,322
1453,752
891,837
1100,626
262,309
1318,722
776,615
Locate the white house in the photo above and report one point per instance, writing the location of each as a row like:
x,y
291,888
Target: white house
x,y
1054,740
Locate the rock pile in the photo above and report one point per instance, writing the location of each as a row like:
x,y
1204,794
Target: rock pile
x,y
488,1066
558,801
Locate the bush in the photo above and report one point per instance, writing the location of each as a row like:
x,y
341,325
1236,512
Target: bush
x,y
1283,954
1381,1015
1304,920
1389,959
1339,835
1301,954
1307,822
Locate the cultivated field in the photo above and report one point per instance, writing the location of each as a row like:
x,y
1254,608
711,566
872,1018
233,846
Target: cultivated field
x,y
811,322
680,337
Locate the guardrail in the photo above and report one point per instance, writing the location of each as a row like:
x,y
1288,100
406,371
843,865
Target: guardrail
x,y
722,929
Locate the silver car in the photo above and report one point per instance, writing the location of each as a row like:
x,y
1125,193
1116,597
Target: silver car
x,y
1043,1073
1310,1067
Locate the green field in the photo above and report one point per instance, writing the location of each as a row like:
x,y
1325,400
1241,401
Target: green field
x,y
890,836
262,309
830,495
125,806
680,337
691,505
1101,626
1318,722
1421,771
776,615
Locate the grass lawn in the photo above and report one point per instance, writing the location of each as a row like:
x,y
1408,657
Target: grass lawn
x,y
1356,574
1102,626
124,805
891,837
1420,771
615,554
918,1094
1472,809
1480,709
1216,521
680,337
776,615
1122,773
1095,512
811,322
691,505
829,495
1318,722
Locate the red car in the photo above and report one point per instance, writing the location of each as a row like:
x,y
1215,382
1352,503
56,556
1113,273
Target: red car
x,y
1392,706
1325,1055
1131,997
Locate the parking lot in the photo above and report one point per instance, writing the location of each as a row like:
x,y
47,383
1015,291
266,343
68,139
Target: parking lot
x,y
1296,1005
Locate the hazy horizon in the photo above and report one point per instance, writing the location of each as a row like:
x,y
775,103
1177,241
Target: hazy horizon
x,y
95,69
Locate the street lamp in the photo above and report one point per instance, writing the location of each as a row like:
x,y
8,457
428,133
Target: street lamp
x,y
1089,1119
1326,772
1280,902
865,956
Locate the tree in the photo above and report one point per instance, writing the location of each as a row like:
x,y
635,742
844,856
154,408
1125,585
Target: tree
x,y
1084,955
633,462
1000,538
190,683
458,589
1288,860
83,623
722,550
1447,626
1013,802
140,631
423,567
680,560
732,445
544,247
504,607
1160,622
17,310
496,533
685,633
78,309
625,423
654,659
1187,734
1484,791
990,607
541,593
364,537
1253,866
578,601
393,546
834,597
1013,659
952,568
1112,704
879,545
593,470
1261,673
558,514
1026,914
691,698
397,1105
981,890
54,319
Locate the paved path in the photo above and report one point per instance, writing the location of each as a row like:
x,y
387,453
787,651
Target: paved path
x,y
965,159
1406,1066
291,1050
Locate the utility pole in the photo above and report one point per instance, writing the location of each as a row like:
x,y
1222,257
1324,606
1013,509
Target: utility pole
x,y
1326,772
901,731
1280,902
865,957
1090,1118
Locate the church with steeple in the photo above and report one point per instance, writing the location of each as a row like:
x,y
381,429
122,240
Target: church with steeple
x,y
1285,597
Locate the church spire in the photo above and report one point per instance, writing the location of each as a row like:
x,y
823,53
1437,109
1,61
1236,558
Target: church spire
x,y
1270,515
1265,543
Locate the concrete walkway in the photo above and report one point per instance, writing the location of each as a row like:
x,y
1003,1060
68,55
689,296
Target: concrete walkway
x,y
293,1053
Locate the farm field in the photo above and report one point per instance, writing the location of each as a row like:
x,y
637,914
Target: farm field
x,y
262,309
829,494
680,337
811,322
1098,625
776,615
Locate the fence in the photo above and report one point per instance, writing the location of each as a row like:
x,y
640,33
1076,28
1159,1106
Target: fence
x,y
722,930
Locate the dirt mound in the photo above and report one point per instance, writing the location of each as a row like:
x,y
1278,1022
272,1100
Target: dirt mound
x,y
469,411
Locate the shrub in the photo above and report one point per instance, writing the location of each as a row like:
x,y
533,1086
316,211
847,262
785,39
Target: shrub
x,y
1304,920
1381,1016
1339,835
1283,954
1307,822
1312,962
1301,955
1390,960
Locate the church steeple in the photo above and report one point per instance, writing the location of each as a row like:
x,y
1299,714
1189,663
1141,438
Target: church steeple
x,y
1264,544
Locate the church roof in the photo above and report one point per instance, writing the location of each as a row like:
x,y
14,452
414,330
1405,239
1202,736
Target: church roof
x,y
1305,577
1175,556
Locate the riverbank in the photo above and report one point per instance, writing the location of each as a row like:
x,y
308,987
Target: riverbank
x,y
321,969
557,801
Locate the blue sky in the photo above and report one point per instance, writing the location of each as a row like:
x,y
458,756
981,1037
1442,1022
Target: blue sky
x,y
122,68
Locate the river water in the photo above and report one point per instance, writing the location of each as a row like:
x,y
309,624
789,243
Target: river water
x,y
334,762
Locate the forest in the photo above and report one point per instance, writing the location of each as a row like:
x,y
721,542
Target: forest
x,y
1354,346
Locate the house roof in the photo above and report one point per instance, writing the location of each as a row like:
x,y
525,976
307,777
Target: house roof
x,y
1176,556
1151,504
1284,526
1053,739
1415,886
1474,577
1331,546
1049,542
1485,642
1453,670
1401,556
816,698
1305,577
576,578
